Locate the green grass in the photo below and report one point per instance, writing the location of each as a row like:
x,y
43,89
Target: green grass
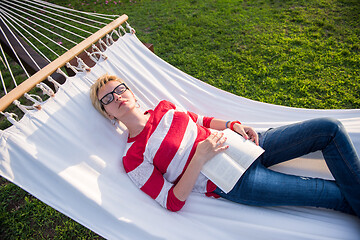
x,y
298,53
293,53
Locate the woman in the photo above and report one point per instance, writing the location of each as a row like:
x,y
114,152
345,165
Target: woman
x,y
167,148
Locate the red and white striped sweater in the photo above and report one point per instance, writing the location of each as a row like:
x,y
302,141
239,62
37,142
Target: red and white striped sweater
x,y
157,157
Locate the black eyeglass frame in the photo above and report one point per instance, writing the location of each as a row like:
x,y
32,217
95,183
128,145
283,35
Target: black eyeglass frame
x,y
112,94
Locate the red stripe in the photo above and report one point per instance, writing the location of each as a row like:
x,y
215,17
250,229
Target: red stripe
x,y
135,154
162,108
172,141
133,159
173,203
210,188
207,121
193,116
154,184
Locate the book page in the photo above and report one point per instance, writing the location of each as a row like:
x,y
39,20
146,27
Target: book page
x,y
226,168
223,171
244,152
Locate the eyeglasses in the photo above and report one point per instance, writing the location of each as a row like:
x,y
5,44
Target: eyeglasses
x,y
109,97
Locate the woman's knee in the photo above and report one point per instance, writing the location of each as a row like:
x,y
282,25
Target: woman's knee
x,y
330,125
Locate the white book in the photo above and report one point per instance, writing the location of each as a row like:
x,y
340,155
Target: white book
x,y
226,168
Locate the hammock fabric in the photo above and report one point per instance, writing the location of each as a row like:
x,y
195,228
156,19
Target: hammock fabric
x,y
69,156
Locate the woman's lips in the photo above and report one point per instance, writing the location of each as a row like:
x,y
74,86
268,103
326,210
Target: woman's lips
x,y
121,103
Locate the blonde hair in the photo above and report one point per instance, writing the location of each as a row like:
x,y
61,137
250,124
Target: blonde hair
x,y
100,82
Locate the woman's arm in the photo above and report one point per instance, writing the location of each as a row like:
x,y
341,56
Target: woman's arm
x,y
205,151
247,132
218,124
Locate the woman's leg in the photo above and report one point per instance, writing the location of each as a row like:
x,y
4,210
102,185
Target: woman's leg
x,y
261,186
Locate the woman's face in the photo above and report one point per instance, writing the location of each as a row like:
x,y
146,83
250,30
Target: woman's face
x,y
121,103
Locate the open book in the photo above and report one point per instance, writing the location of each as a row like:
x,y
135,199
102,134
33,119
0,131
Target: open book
x,y
226,168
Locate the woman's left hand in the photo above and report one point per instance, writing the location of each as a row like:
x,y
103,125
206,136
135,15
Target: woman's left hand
x,y
247,132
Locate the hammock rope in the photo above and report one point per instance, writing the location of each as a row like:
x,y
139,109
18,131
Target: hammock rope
x,y
42,34
16,55
51,24
68,10
11,117
7,63
1,76
23,17
55,83
31,97
61,16
25,38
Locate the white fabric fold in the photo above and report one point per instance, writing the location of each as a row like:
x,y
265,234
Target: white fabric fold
x,y
69,156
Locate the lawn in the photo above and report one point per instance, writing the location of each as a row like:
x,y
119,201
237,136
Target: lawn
x,y
302,54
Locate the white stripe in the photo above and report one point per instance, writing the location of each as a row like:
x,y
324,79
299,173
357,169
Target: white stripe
x,y
200,120
158,135
201,184
177,165
142,173
163,195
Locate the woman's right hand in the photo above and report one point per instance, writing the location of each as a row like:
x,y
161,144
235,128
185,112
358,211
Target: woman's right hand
x,y
205,150
211,146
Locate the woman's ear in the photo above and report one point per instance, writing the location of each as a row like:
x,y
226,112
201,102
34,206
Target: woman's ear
x,y
111,117
135,99
132,93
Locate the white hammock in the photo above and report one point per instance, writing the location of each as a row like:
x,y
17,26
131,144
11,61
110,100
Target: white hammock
x,y
69,156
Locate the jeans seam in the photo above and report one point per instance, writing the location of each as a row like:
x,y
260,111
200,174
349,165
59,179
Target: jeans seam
x,y
347,162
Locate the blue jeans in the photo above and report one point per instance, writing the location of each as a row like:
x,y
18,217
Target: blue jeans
x,y
261,186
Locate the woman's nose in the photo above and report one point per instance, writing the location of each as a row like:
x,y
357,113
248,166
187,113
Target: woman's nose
x,y
117,96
